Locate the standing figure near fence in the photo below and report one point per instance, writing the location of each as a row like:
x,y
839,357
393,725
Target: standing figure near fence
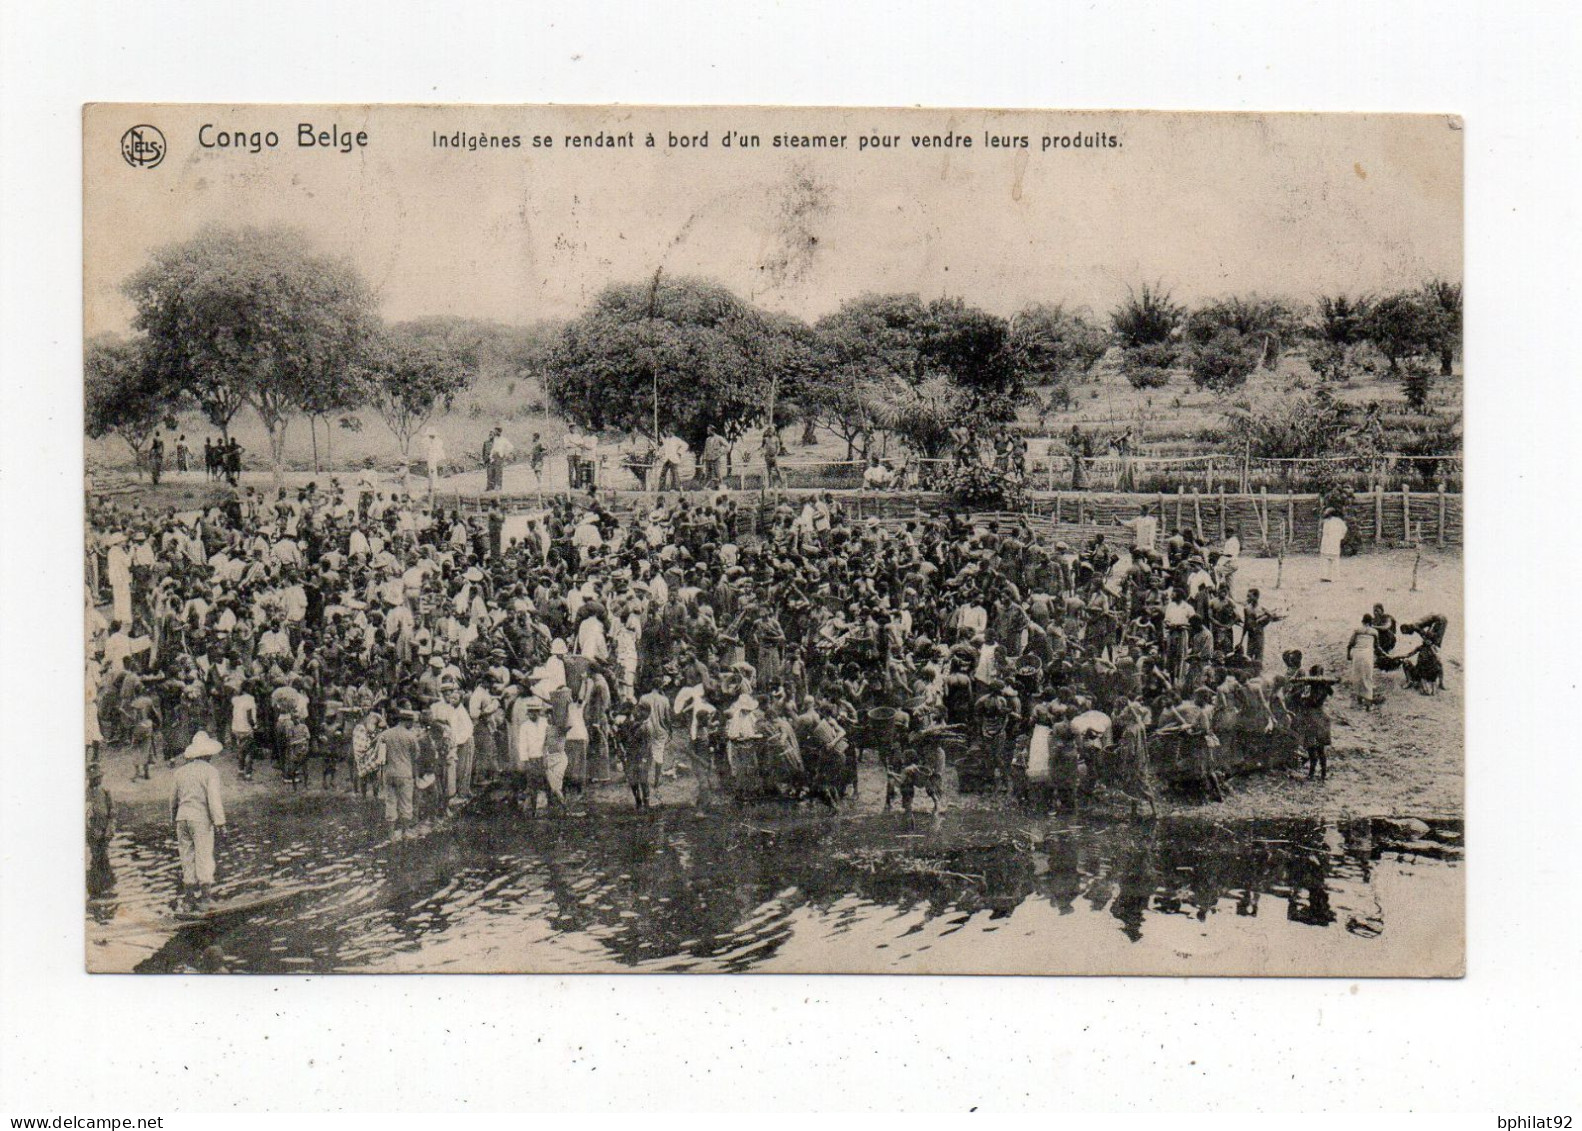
x,y
672,451
1144,527
496,450
435,451
156,460
1077,444
714,448
1331,534
773,448
1128,471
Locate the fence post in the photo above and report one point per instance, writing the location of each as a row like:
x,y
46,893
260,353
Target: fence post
x,y
1057,508
1222,512
1406,513
1180,502
1290,518
1378,513
1263,513
1197,513
1440,532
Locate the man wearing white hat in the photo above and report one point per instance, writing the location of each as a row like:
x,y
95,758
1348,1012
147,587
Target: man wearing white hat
x,y
197,808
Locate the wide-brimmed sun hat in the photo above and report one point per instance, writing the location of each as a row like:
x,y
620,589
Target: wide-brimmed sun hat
x,y
201,746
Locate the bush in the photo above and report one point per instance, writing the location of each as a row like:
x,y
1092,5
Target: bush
x,y
1224,362
1332,363
979,488
1148,367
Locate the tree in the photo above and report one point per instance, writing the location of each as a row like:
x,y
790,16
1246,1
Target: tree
x,y
674,355
1339,326
923,415
1147,318
870,341
1225,361
409,372
1286,426
1149,367
1341,319
1443,300
1056,346
122,393
255,314
972,348
1402,327
1266,324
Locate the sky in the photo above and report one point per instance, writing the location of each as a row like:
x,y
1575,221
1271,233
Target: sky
x,y
1207,204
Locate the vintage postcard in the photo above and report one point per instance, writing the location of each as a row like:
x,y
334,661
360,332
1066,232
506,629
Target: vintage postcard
x,y
666,539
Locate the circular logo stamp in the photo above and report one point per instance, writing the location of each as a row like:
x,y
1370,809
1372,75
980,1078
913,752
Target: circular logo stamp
x,y
143,147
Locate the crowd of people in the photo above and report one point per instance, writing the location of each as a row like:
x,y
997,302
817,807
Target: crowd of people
x,y
430,655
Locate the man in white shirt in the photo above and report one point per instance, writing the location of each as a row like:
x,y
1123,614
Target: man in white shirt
x,y
591,639
1331,535
459,753
672,451
1144,528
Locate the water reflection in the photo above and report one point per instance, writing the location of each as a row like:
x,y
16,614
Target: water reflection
x,y
678,890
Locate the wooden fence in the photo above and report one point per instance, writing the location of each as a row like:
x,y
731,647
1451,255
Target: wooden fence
x,y
1265,520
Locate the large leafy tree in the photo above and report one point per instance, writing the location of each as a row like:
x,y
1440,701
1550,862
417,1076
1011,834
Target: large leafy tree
x,y
1339,324
1404,328
677,354
1055,346
122,393
871,342
409,371
1147,327
1226,360
1147,317
1443,301
254,315
973,348
1266,324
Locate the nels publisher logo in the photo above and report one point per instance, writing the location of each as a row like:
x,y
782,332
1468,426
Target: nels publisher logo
x,y
143,147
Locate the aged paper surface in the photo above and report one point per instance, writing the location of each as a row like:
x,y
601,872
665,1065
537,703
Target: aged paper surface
x,y
743,539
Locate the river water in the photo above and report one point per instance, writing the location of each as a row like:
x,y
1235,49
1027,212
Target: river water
x,y
787,889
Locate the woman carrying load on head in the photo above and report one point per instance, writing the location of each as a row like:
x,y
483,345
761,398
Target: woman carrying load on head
x,y
1308,695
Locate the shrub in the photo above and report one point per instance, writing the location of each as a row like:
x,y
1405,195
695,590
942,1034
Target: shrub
x,y
1148,367
976,488
1147,317
1225,361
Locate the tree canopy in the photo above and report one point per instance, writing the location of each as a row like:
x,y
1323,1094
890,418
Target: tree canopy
x,y
412,368
1053,345
252,315
122,394
684,353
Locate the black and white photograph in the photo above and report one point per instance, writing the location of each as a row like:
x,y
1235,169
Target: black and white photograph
x,y
723,540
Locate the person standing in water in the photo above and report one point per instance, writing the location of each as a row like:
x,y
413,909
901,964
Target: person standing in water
x,y
198,810
1309,693
101,827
